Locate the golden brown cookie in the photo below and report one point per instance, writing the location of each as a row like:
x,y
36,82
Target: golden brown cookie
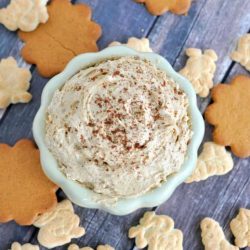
x,y
68,32
159,7
230,114
25,190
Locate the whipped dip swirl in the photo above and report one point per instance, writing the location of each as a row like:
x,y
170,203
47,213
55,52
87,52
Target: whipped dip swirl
x,y
119,127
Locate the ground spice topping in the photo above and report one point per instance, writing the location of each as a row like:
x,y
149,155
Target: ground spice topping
x,y
119,127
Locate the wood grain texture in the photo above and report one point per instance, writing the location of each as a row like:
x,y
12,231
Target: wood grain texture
x,y
210,24
120,19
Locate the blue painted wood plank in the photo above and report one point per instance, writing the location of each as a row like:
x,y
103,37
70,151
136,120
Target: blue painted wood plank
x,y
120,19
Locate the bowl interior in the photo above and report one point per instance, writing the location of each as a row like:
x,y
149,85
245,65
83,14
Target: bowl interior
x,y
85,197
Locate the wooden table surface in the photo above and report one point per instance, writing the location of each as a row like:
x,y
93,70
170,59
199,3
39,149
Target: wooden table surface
x,y
214,24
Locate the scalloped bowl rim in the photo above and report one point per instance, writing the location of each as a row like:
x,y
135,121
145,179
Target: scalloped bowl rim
x,y
85,197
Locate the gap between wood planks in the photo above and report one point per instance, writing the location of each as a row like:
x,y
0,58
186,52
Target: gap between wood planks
x,y
191,28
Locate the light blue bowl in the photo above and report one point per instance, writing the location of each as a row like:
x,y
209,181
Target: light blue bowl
x,y
85,197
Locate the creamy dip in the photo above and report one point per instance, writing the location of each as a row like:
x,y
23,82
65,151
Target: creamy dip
x,y
119,127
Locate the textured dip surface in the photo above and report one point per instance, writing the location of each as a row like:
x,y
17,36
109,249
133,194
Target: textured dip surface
x,y
119,127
